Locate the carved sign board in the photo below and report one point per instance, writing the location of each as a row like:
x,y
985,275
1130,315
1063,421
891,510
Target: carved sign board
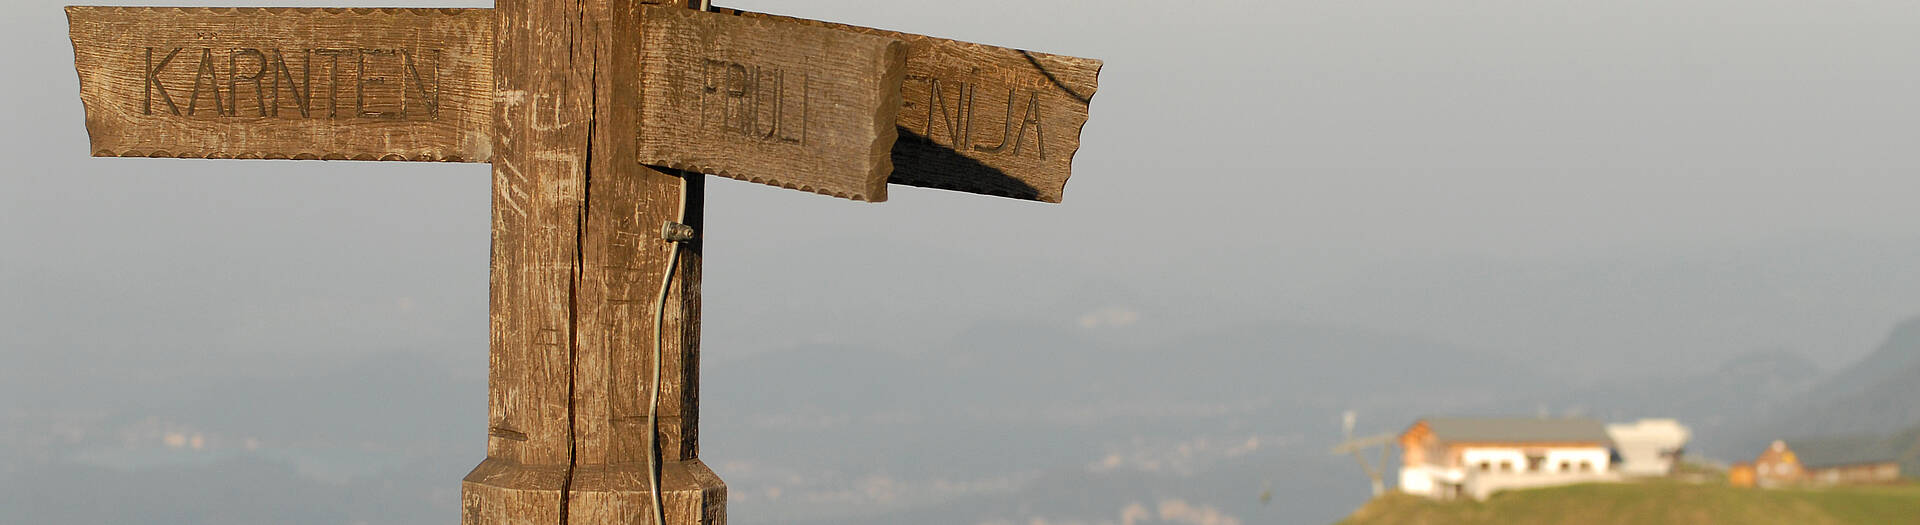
x,y
365,84
416,84
985,119
775,102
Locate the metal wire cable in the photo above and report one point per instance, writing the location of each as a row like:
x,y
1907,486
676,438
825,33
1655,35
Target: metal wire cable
x,y
659,319
653,397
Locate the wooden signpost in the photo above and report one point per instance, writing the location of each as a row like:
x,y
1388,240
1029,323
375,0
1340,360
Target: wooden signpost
x,y
595,298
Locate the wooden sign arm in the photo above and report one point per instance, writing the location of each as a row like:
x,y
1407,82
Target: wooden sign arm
x,y
417,84
984,119
286,83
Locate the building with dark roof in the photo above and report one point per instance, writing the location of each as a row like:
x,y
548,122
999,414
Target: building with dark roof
x,y
1849,460
1832,461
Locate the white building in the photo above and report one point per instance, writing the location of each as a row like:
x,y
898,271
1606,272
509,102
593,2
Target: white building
x,y
1450,458
1648,447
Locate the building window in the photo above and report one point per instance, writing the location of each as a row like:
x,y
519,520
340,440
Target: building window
x,y
1506,465
1486,466
1566,466
1586,466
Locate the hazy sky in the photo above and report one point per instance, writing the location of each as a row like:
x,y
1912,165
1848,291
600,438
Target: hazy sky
x,y
1344,162
1620,188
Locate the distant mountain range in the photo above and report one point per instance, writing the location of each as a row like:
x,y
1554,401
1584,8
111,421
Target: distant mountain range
x,y
999,406
1878,395
1071,424
1004,422
1747,402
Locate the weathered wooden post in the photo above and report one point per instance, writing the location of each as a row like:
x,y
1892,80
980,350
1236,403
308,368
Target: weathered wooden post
x,y
577,261
595,304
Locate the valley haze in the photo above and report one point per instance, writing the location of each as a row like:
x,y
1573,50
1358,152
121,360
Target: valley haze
x,y
1283,210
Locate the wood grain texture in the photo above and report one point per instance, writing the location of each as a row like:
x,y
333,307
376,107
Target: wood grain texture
x,y
763,100
623,263
286,83
500,492
692,495
578,262
985,119
542,121
504,492
539,167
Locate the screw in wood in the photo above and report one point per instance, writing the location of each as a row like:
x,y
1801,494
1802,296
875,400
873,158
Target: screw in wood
x,y
676,232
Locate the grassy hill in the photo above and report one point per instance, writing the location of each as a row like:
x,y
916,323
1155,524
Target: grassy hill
x,y
1654,503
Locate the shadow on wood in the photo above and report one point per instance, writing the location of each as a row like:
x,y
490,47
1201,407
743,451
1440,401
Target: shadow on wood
x,y
1007,120
919,161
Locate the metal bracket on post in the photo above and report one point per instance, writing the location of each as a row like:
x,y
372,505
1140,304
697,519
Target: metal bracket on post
x,y
676,232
